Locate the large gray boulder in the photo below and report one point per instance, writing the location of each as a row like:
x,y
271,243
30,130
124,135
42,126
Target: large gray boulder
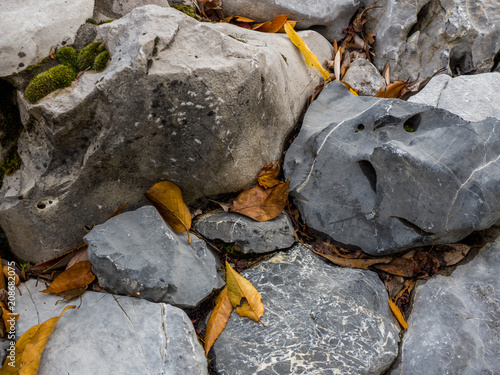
x,y
453,326
118,8
32,29
319,319
421,37
111,335
203,105
137,253
384,174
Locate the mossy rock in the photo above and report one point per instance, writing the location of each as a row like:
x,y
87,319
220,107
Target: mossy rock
x,y
101,61
68,56
43,84
87,55
188,11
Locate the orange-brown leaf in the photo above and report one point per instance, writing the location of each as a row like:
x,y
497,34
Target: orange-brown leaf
x,y
78,276
218,319
59,261
81,255
239,288
398,314
392,90
9,319
212,4
273,26
268,174
238,19
362,263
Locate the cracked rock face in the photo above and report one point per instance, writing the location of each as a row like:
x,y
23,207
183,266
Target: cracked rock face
x,y
137,252
384,174
319,319
111,335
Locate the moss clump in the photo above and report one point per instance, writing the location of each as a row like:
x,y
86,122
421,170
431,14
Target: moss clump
x,y
68,56
91,20
43,84
101,61
10,164
187,10
87,55
104,21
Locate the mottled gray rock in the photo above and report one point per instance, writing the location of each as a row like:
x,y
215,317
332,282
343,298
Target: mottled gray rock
x,y
4,349
111,335
31,29
325,16
118,8
474,98
421,37
364,77
249,236
203,105
137,252
319,319
358,176
454,325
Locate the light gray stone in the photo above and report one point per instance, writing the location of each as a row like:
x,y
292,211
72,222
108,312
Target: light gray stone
x,y
358,176
137,252
474,97
203,105
454,324
111,335
325,16
4,349
249,236
31,29
319,319
364,77
118,8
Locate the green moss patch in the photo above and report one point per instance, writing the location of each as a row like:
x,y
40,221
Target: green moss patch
x,y
10,164
101,61
87,55
43,84
187,10
68,56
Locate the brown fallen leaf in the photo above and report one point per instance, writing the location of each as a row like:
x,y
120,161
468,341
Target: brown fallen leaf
x,y
9,319
272,26
363,263
56,262
212,4
451,254
392,90
218,319
76,277
238,19
167,198
10,273
239,288
267,177
386,73
412,264
81,255
398,314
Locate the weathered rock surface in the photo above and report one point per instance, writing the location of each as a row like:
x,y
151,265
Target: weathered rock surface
x,y
202,105
360,175
460,35
454,325
30,29
249,236
364,77
325,16
137,252
111,335
320,319
474,98
118,8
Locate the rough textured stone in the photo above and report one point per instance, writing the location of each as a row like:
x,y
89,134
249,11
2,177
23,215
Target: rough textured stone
x,y
320,319
359,177
30,29
364,77
118,8
454,325
325,16
202,105
474,98
137,252
111,335
249,236
460,35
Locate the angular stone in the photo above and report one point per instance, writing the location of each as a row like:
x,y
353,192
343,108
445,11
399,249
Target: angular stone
x,y
137,252
111,335
319,319
325,16
249,236
118,8
364,77
453,326
203,105
474,97
31,29
360,175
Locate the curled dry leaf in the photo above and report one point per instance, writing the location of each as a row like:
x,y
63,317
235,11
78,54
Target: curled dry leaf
x,y
272,26
76,277
267,176
392,90
9,319
212,4
218,319
398,314
451,254
9,271
57,262
81,255
362,263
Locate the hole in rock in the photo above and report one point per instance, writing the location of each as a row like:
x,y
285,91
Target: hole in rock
x,y
369,172
460,61
387,120
359,128
410,225
496,62
41,206
411,125
422,20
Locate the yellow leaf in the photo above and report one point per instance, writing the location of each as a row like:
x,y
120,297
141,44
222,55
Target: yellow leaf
x,y
167,198
268,174
238,288
272,26
9,319
218,319
75,277
397,313
392,90
311,58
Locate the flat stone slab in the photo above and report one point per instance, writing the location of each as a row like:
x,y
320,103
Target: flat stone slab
x,y
319,319
111,335
248,235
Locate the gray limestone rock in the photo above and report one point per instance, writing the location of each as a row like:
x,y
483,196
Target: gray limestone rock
x,y
319,319
111,335
384,174
249,236
137,252
203,105
474,97
364,77
454,325
118,8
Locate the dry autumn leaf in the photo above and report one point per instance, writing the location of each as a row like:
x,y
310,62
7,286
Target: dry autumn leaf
x,y
212,4
81,255
167,198
362,263
268,174
239,288
272,26
398,314
76,277
392,90
218,319
8,318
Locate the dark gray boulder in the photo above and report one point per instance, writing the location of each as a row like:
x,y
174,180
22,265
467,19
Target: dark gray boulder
x,y
137,253
384,174
319,319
